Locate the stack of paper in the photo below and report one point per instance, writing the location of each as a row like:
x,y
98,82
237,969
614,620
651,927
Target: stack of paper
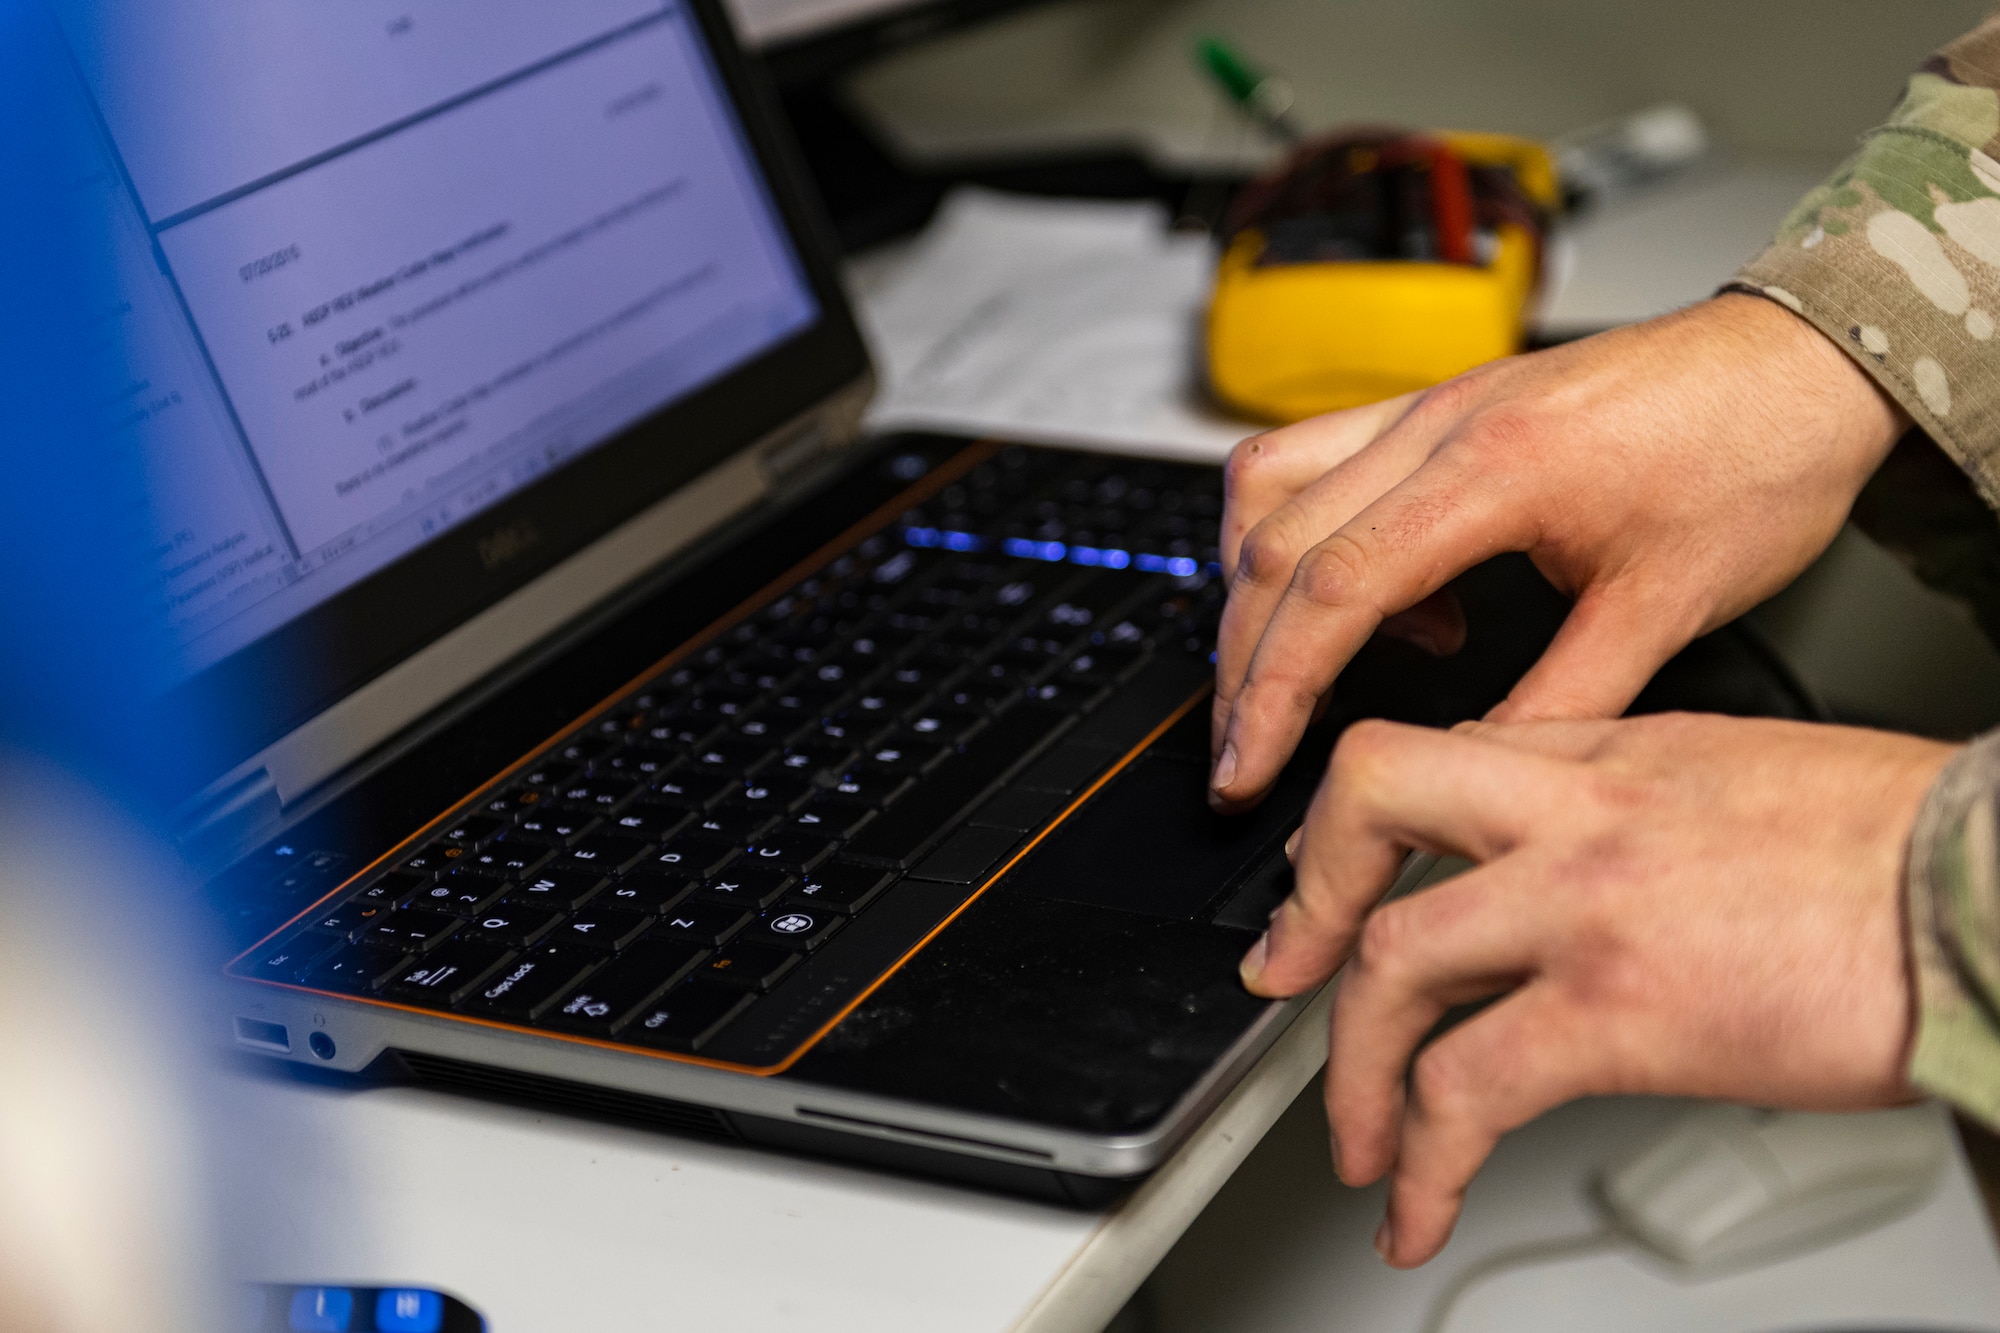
x,y
1059,321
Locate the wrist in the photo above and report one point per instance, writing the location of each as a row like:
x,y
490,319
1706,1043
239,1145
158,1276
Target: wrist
x,y
1811,374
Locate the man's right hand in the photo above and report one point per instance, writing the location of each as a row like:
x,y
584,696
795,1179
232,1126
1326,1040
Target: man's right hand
x,y
1667,476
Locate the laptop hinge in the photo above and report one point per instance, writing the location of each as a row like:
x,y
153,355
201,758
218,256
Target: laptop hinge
x,y
224,816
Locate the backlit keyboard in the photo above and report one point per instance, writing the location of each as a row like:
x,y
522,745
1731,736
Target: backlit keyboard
x,y
817,779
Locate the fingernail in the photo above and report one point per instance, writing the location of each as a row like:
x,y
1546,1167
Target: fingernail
x,y
1333,1146
1385,1240
1225,769
1252,966
1292,844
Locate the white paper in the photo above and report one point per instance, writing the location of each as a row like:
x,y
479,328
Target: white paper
x,y
1056,321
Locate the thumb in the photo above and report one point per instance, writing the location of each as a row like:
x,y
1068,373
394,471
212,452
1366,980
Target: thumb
x,y
1610,645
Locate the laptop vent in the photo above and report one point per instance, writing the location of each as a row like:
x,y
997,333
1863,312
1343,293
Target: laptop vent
x,y
477,1080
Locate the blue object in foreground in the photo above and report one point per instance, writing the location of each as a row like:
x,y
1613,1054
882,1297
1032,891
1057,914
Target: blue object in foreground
x,y
408,1310
322,1310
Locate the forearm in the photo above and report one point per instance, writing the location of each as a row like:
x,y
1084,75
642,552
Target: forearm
x,y
1953,913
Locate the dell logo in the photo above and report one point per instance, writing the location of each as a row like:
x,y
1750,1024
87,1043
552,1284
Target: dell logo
x,y
503,544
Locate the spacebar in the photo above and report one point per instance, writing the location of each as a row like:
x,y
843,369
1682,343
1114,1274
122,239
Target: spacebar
x,y
911,824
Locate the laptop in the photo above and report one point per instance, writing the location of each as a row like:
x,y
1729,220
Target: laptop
x,y
600,718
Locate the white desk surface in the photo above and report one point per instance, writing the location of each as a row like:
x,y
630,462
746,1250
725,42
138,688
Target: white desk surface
x,y
547,1223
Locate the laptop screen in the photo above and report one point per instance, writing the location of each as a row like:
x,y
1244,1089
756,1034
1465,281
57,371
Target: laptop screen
x,y
389,262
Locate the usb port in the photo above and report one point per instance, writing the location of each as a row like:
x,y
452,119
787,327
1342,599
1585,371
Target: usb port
x,y
264,1036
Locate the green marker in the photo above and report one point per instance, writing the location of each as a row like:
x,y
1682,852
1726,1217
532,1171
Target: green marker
x,y
1264,97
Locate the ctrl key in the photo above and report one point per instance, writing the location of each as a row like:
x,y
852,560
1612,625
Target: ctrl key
x,y
687,1017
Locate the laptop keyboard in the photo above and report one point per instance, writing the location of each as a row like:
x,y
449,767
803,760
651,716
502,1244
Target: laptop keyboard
x,y
756,833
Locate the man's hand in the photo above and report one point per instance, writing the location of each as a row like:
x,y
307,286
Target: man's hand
x,y
1668,476
1681,904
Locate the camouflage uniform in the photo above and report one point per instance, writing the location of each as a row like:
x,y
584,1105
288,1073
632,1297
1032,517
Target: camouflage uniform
x,y
1897,259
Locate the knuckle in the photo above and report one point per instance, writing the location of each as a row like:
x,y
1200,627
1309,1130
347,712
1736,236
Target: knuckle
x,y
1443,1081
1383,950
1455,398
1362,753
1500,434
1268,555
1333,573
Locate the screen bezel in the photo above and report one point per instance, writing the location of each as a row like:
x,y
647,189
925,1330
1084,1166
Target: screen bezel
x,y
259,694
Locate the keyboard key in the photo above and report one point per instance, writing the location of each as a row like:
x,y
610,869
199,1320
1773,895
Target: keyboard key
x,y
635,764
598,794
605,928
840,886
754,887
557,889
731,825
356,969
1018,808
687,1017
530,983
703,922
688,788
871,786
460,895
647,892
350,918
621,986
604,852
294,958
727,757
648,823
911,824
444,976
509,805
903,753
772,792
502,860
807,758
788,849
471,828
697,857
513,925
392,888
791,928
966,856
752,966
945,726
552,828
412,930
581,750
830,817
435,858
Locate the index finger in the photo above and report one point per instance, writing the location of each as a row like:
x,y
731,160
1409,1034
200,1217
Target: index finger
x,y
1399,550
1392,788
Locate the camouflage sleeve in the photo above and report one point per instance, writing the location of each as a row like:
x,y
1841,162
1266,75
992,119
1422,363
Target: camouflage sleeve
x,y
1897,257
1897,260
1953,902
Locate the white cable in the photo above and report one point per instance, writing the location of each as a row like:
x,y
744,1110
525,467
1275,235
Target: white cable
x,y
1510,1258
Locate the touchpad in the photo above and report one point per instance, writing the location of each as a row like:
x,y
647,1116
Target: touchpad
x,y
1149,843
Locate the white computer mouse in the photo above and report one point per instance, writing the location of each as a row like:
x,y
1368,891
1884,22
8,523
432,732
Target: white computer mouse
x,y
1726,1185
